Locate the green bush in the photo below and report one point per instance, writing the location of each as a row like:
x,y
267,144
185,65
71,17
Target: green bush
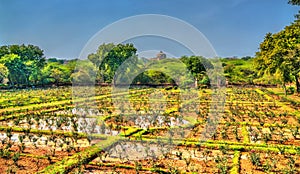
x,y
290,90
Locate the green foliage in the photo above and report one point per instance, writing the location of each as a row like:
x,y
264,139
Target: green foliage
x,y
83,157
235,163
222,164
290,90
198,66
239,70
279,54
168,70
3,72
255,158
85,72
109,57
23,63
152,77
16,68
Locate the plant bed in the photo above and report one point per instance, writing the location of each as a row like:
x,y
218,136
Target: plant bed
x,y
266,162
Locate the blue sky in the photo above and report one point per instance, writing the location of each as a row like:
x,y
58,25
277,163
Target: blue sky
x,y
62,27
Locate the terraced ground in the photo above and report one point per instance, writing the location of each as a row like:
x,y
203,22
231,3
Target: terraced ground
x,y
151,130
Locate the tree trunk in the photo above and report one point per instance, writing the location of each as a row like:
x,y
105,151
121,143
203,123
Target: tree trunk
x,y
10,79
284,87
297,84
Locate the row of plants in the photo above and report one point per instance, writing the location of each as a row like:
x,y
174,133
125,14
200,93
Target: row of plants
x,y
242,122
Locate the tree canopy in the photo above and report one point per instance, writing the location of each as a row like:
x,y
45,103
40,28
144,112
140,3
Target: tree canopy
x,y
23,63
109,57
279,54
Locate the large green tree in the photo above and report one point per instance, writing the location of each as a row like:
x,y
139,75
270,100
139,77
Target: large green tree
x,y
197,65
109,57
16,68
279,54
56,72
84,73
24,63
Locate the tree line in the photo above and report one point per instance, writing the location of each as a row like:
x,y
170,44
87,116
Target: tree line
x,y
26,65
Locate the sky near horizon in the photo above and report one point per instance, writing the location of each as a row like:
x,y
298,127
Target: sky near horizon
x,y
62,27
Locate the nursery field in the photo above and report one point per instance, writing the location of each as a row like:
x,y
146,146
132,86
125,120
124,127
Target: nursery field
x,y
148,130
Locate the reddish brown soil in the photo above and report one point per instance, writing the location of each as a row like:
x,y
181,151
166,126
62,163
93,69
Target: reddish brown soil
x,y
31,160
25,165
281,163
171,162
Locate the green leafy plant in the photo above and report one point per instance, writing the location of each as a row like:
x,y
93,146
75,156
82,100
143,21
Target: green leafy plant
x,y
255,158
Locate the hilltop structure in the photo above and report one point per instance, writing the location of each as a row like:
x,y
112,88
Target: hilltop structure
x,y
161,55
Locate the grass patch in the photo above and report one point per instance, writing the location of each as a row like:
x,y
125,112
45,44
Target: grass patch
x,y
83,157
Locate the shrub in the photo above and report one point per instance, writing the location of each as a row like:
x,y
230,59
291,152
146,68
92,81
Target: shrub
x,y
290,90
255,158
